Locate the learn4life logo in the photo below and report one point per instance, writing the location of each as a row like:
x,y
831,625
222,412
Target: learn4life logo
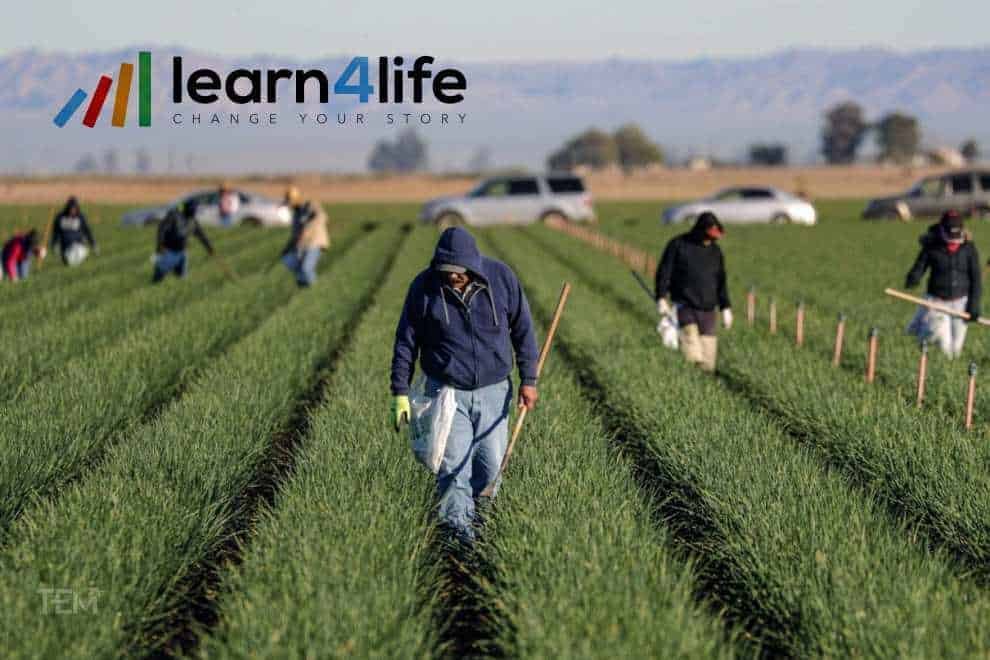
x,y
395,75
121,96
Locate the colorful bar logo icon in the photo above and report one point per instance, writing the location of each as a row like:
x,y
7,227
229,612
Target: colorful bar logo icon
x,y
121,97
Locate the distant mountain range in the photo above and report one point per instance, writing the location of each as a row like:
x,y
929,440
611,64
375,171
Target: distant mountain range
x,y
519,111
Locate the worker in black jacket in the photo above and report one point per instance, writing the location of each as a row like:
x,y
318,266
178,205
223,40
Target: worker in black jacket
x,y
954,282
692,272
173,234
71,233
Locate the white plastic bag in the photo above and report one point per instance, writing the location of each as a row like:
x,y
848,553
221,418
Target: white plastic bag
x,y
432,418
669,329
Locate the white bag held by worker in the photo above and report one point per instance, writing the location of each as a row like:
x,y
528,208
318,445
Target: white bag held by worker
x,y
432,418
669,329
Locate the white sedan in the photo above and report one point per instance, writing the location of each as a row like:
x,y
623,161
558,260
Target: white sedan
x,y
249,210
747,206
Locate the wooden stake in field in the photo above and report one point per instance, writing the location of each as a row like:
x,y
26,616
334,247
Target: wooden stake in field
x,y
773,316
871,356
922,372
544,353
970,395
751,305
799,325
840,336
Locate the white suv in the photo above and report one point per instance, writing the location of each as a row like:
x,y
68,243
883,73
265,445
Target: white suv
x,y
515,200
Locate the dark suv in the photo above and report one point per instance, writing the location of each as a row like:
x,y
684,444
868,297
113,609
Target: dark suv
x,y
967,191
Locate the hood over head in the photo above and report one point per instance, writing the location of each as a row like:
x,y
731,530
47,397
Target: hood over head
x,y
71,204
707,227
457,247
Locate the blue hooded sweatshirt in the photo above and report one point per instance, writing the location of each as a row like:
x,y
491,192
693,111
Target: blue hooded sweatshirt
x,y
469,344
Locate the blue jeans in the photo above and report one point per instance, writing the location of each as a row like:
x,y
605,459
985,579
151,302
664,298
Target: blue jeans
x,y
475,447
169,262
22,269
302,264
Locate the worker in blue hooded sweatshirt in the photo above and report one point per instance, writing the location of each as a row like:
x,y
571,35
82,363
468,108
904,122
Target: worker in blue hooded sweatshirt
x,y
464,317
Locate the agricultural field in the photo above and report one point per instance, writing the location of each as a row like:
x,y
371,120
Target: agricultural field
x,y
205,468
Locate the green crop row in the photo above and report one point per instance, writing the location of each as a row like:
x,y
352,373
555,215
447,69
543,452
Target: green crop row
x,y
53,429
783,545
840,266
168,498
348,532
121,249
88,291
26,353
584,571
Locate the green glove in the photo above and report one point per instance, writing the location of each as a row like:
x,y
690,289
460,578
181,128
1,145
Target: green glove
x,y
401,412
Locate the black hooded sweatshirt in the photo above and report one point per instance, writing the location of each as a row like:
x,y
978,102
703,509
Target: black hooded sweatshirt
x,y
953,275
68,229
174,231
693,273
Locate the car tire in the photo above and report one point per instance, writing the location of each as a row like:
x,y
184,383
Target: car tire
x,y
449,219
780,219
553,217
250,222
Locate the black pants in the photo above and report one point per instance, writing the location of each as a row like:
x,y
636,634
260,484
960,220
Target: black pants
x,y
706,321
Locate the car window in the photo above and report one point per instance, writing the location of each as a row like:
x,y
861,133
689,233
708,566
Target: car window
x,y
727,196
493,189
985,182
932,187
962,184
757,193
524,187
565,184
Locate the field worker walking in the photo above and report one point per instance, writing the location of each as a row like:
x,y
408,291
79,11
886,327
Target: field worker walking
x,y
173,234
692,272
70,231
954,282
464,317
308,240
17,253
228,203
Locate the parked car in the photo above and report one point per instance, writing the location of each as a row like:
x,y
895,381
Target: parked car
x,y
747,205
252,210
514,200
967,191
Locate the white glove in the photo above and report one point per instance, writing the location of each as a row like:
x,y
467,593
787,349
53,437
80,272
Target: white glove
x,y
663,307
727,318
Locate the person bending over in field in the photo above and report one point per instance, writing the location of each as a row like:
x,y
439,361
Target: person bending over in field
x,y
173,234
464,317
954,282
692,273
17,254
71,233
308,240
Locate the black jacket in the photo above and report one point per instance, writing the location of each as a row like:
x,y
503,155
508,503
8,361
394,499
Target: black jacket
x,y
70,229
174,231
693,274
953,275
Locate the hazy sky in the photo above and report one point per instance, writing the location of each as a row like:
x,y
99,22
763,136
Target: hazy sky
x,y
504,29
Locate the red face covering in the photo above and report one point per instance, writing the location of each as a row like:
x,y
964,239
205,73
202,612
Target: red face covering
x,y
714,233
953,247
